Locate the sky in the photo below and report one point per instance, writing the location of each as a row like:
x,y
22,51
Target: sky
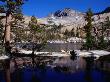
x,y
42,8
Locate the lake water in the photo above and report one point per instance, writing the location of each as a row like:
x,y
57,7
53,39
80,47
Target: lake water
x,y
54,69
53,47
64,69
56,47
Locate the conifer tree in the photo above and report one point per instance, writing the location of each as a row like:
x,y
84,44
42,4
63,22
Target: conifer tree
x,y
72,33
1,38
66,34
88,28
105,29
10,7
37,33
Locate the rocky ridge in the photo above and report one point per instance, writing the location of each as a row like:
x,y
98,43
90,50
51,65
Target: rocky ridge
x,y
73,19
69,18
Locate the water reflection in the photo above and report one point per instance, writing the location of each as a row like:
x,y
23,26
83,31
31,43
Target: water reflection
x,y
54,69
70,66
35,78
89,67
73,55
17,75
106,76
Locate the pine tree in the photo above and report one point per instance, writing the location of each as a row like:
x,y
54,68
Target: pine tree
x,y
72,33
88,28
37,33
17,27
108,32
10,7
1,38
105,29
66,34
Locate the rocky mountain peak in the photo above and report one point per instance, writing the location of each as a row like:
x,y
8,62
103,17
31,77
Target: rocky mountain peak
x,y
65,12
70,19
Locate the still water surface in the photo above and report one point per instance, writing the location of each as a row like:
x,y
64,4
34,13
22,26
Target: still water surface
x,y
62,69
53,47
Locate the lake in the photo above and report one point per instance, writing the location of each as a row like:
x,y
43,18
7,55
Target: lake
x,y
53,47
54,69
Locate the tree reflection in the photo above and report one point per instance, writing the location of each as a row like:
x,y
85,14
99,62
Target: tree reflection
x,y
107,76
35,78
63,69
89,66
73,55
17,75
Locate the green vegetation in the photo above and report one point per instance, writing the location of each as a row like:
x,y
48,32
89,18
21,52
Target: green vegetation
x,y
102,35
88,28
72,33
12,8
95,35
68,34
37,33
1,38
105,28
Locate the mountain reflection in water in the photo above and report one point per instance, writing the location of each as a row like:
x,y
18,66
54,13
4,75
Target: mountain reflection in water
x,y
56,70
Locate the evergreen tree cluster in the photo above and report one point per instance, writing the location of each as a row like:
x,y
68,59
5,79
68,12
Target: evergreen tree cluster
x,y
95,36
